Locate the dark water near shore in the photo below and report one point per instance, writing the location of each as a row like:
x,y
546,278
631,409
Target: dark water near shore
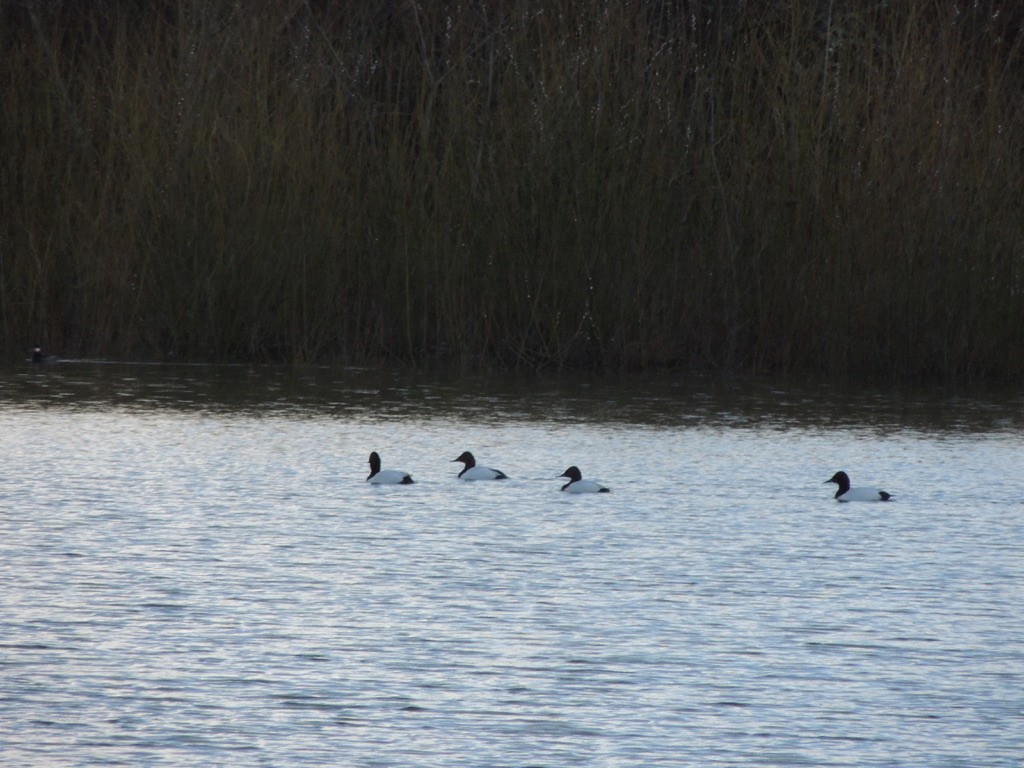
x,y
196,573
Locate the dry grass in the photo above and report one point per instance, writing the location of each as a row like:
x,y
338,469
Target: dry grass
x,y
613,185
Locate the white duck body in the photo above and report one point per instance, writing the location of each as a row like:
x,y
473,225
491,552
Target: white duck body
x,y
847,493
380,476
577,484
473,472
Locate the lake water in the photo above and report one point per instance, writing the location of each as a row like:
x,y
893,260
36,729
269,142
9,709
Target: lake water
x,y
194,572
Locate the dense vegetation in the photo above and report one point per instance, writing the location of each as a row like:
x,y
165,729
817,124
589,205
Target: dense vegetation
x,y
825,188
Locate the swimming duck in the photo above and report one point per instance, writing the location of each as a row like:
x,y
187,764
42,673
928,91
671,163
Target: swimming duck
x,y
380,476
846,493
472,472
577,484
39,357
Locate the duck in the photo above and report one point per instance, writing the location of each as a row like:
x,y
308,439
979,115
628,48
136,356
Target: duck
x,y
40,358
577,484
472,472
380,476
846,493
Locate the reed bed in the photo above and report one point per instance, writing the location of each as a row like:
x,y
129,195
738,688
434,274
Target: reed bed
x,y
819,188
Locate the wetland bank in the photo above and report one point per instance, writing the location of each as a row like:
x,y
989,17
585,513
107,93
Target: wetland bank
x,y
794,188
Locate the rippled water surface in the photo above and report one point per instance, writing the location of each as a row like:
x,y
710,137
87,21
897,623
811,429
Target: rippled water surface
x,y
195,573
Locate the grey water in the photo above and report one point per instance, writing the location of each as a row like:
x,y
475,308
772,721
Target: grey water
x,y
195,572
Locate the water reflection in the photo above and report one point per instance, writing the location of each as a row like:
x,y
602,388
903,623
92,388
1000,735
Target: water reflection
x,y
178,559
386,394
